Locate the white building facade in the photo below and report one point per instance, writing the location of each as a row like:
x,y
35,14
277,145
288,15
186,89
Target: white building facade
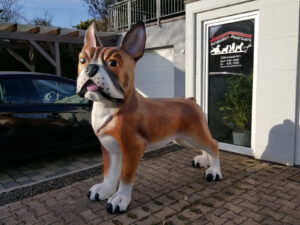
x,y
252,45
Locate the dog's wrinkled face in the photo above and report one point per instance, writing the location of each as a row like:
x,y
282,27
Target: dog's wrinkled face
x,y
108,72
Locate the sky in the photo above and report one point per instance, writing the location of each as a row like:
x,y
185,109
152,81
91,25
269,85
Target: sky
x,y
66,13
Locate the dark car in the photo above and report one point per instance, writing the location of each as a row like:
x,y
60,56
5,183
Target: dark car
x,y
40,113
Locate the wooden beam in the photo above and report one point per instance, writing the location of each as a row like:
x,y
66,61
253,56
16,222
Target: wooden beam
x,y
13,45
54,31
106,40
34,30
9,27
51,47
28,28
43,52
73,34
40,37
57,58
20,59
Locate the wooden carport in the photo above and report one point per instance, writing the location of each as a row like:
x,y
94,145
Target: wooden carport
x,y
18,36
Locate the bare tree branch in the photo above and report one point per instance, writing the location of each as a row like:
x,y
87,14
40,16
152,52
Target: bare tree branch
x,y
45,19
98,8
12,11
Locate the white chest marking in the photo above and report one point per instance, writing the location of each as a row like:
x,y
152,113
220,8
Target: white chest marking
x,y
102,112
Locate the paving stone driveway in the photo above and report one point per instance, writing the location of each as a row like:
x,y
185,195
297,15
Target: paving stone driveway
x,y
169,191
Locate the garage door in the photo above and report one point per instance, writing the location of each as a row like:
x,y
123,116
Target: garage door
x,y
154,73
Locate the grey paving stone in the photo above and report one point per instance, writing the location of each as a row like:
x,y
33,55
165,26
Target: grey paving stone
x,y
27,171
91,162
20,179
51,175
33,174
69,204
10,184
38,178
25,182
35,166
2,188
44,171
70,167
62,171
5,179
16,175
80,164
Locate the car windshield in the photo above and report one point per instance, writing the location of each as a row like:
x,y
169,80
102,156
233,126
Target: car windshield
x,y
54,91
74,99
12,92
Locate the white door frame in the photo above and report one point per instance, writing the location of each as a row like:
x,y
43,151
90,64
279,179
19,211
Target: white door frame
x,y
202,87
297,121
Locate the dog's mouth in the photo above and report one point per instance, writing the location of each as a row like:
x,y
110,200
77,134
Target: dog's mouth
x,y
92,87
88,86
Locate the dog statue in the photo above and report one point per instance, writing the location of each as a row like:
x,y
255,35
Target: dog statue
x,y
126,122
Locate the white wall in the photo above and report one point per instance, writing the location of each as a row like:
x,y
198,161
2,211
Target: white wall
x,y
274,85
154,73
169,35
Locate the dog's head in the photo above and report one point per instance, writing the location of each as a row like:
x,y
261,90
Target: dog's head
x,y
108,72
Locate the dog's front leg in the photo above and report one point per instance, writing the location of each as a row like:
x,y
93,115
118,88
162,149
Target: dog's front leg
x,y
119,202
112,169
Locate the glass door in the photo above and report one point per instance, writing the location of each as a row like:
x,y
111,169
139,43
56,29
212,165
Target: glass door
x,y
228,79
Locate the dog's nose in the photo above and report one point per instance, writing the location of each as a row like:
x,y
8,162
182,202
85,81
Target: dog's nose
x,y
91,69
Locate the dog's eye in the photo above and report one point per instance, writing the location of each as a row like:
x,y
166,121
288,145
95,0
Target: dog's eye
x,y
112,63
83,60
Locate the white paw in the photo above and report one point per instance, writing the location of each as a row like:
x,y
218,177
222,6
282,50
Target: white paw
x,y
119,202
200,161
213,174
101,191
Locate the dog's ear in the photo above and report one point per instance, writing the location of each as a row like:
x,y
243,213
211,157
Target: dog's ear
x,y
135,40
91,39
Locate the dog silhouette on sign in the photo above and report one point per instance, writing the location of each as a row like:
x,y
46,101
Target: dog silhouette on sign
x,y
239,48
215,50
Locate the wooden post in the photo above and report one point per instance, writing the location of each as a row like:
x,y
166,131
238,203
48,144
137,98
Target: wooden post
x,y
57,58
20,59
43,52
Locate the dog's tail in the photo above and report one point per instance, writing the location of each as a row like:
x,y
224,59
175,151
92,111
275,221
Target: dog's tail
x,y
192,99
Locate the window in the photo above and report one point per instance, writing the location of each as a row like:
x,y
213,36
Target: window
x,y
12,91
53,91
230,44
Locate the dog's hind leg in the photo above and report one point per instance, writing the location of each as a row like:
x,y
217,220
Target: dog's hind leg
x,y
112,168
213,173
201,160
209,157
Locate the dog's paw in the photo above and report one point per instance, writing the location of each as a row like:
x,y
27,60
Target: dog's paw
x,y
213,174
100,192
118,203
200,161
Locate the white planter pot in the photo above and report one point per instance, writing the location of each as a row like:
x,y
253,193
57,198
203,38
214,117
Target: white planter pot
x,y
242,138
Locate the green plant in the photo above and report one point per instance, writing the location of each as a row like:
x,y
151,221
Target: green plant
x,y
236,106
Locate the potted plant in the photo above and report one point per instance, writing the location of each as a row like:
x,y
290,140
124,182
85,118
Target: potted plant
x,y
236,107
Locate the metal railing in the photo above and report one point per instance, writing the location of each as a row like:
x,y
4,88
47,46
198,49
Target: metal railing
x,y
123,14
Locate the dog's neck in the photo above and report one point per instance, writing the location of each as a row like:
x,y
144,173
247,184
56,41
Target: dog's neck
x,y
104,110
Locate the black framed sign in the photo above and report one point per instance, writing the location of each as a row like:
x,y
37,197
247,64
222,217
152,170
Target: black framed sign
x,y
231,48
